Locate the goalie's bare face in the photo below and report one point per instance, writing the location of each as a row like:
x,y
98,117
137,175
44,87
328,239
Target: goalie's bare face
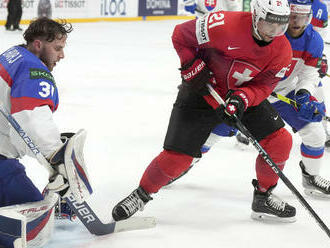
x,y
52,52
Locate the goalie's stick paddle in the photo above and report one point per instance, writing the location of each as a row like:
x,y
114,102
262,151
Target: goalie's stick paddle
x,y
86,215
272,164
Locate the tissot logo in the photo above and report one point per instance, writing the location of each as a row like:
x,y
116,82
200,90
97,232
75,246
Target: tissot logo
x,y
69,3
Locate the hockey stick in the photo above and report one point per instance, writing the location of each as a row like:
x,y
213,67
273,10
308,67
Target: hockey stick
x,y
86,215
272,164
292,102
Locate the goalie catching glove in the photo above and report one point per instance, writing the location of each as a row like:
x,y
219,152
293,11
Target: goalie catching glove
x,y
70,173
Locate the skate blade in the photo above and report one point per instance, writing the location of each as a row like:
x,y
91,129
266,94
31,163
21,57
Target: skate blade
x,y
271,218
316,194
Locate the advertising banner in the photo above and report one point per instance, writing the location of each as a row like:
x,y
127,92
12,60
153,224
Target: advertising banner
x,y
119,8
50,8
158,7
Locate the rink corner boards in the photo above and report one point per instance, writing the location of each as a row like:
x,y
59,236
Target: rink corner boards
x,y
117,19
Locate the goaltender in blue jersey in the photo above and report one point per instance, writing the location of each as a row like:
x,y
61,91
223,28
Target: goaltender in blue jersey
x,y
29,95
27,80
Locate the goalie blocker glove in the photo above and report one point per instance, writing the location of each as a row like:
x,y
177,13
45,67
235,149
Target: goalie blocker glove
x,y
70,170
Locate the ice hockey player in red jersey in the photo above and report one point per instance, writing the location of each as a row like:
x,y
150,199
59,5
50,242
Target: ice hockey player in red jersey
x,y
243,55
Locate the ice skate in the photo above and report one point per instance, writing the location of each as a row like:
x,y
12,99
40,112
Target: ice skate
x,y
314,185
131,204
267,206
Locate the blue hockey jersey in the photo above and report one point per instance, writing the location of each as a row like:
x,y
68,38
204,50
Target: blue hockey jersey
x,y
30,81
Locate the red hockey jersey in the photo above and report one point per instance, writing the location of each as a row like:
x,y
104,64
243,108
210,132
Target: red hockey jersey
x,y
224,41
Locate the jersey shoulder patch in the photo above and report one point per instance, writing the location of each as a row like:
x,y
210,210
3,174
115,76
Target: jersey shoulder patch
x,y
206,23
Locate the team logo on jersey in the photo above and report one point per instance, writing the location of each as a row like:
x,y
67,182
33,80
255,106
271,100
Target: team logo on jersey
x,y
286,71
240,72
210,4
36,73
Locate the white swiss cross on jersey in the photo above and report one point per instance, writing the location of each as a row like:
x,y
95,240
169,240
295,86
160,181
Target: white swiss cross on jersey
x,y
240,72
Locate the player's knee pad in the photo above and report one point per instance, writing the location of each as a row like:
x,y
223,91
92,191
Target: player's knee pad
x,y
166,166
313,135
34,220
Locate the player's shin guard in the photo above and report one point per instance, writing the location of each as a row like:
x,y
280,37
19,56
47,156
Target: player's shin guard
x,y
166,166
278,146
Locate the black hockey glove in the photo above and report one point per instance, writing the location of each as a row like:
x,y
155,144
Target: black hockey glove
x,y
196,75
236,104
323,67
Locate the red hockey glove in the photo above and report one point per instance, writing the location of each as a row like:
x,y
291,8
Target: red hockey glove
x,y
196,75
323,67
236,104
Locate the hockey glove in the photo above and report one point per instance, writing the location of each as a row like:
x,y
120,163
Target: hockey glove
x,y
310,110
190,6
323,67
236,104
196,75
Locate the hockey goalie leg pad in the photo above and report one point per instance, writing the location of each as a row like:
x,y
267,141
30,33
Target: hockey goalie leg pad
x,y
166,166
12,229
39,220
278,146
76,168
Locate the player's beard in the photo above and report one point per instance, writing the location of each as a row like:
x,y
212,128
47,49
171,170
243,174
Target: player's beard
x,y
50,65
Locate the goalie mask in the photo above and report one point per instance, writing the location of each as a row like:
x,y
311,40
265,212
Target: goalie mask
x,y
270,18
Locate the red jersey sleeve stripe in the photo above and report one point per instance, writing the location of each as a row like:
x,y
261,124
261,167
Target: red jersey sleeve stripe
x,y
317,23
28,103
312,62
5,76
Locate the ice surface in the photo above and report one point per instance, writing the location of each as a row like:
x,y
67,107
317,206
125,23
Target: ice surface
x,y
118,81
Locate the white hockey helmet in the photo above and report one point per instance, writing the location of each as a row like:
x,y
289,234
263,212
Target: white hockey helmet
x,y
301,11
270,17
